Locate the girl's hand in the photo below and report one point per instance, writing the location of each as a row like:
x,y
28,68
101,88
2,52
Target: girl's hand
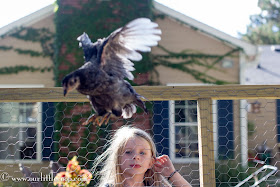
x,y
164,165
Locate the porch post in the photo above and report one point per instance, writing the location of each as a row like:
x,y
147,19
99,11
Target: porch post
x,y
206,143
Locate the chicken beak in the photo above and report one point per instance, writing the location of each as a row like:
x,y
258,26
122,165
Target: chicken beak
x,y
65,92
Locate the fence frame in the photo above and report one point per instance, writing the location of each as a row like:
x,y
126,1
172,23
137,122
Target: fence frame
x,y
203,94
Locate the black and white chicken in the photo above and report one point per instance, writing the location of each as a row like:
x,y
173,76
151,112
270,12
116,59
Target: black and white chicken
x,y
107,63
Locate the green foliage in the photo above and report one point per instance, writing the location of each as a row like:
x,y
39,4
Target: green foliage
x,y
43,36
30,52
264,27
189,59
262,34
24,52
251,128
20,68
229,173
6,48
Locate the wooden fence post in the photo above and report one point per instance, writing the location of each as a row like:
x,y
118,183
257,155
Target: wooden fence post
x,y
205,143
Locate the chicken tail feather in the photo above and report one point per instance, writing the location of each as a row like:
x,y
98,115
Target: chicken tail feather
x,y
128,111
140,103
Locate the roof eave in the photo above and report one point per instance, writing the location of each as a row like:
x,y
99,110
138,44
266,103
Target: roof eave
x,y
29,19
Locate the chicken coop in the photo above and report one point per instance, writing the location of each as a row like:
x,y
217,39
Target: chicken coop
x,y
214,135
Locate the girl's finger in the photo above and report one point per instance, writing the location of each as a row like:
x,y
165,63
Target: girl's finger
x,y
158,166
158,159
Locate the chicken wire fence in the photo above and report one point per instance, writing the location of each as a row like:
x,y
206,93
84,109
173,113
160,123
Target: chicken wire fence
x,y
214,135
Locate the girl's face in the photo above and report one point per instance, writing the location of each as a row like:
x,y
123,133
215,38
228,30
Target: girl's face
x,y
136,158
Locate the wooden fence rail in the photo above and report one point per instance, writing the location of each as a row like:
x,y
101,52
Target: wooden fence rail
x,y
152,93
203,94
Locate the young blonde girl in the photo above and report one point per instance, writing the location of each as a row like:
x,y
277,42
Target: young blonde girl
x,y
132,149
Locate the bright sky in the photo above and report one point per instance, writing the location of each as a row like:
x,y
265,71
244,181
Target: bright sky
x,y
229,16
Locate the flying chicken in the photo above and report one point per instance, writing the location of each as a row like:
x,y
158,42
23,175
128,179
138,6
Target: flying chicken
x,y
108,62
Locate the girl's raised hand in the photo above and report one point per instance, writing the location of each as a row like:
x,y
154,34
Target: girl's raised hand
x,y
164,165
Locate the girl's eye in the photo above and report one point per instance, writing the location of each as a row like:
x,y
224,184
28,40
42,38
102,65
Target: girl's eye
x,y
142,153
128,152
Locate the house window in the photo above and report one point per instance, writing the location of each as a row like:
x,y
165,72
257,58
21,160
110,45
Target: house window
x,y
20,131
184,136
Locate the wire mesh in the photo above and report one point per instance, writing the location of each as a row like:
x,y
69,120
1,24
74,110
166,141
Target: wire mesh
x,y
42,131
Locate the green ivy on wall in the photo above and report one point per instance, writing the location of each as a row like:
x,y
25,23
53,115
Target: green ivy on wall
x,y
24,51
189,59
41,35
19,68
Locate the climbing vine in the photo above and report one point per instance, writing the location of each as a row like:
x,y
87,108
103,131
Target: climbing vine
x,y
19,68
189,59
42,35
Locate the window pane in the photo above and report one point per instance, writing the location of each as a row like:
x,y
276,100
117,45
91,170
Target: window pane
x,y
180,102
192,103
186,111
9,112
180,115
192,115
192,111
18,143
192,133
28,112
186,142
18,112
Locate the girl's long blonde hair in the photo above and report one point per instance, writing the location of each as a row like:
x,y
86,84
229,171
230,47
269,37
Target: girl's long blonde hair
x,y
111,159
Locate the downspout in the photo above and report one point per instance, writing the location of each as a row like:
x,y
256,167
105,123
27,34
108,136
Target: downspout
x,y
243,64
243,115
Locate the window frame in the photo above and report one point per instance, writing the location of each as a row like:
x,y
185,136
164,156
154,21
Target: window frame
x,y
37,125
172,132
